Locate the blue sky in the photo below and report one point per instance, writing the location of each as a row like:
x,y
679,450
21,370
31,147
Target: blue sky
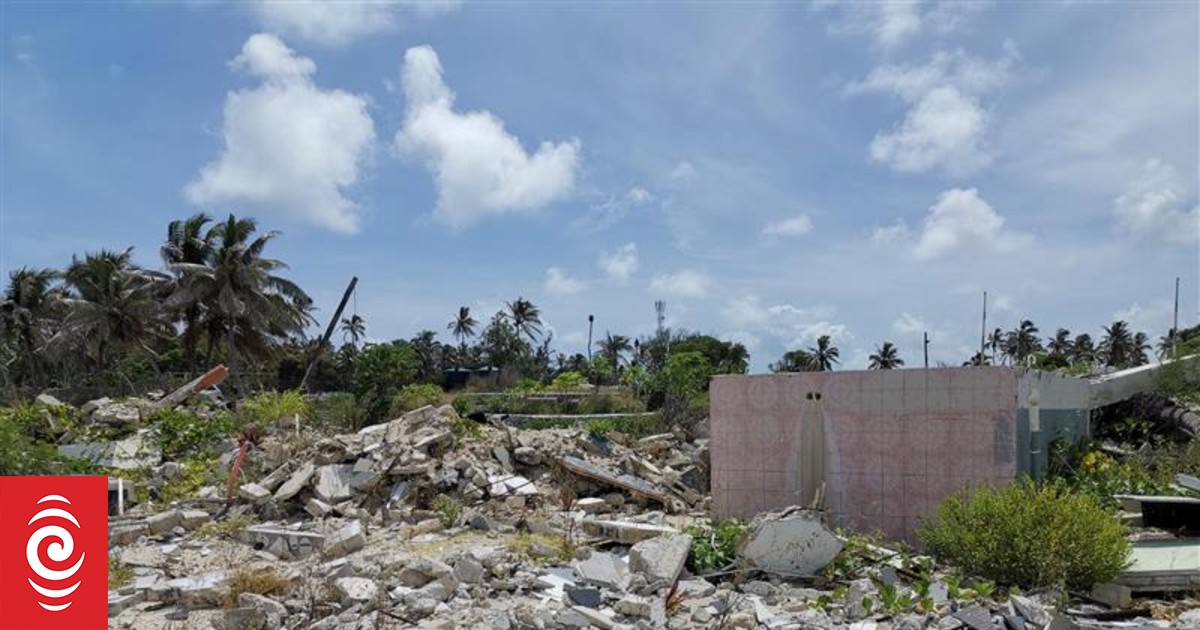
x,y
773,171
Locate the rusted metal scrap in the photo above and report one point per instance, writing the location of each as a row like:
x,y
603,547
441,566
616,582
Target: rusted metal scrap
x,y
635,485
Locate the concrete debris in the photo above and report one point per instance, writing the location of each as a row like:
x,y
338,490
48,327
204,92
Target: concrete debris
x,y
402,524
793,543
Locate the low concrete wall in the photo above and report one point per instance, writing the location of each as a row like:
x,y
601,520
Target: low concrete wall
x,y
888,445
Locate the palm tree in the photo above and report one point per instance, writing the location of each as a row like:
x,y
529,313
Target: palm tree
x,y
111,304
795,361
1166,345
187,242
978,359
1141,349
354,328
885,358
1060,344
1083,349
824,355
1024,341
24,313
463,326
244,301
525,318
1117,345
995,343
614,347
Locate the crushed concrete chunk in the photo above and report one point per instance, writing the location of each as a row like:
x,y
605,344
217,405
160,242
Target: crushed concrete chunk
x,y
603,569
297,482
660,559
346,540
789,543
356,589
254,493
333,483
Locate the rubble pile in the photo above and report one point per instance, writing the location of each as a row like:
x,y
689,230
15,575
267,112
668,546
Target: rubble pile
x,y
436,521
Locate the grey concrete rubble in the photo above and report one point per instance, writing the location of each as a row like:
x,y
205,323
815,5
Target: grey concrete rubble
x,y
418,523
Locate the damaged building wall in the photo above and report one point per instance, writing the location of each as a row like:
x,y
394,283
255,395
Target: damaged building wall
x,y
886,445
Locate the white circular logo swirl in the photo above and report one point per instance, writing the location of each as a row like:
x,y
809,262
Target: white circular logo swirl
x,y
59,551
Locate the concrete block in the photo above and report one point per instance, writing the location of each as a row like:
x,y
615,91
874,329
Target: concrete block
x,y
254,493
287,544
297,482
790,544
603,569
356,589
333,483
346,540
660,559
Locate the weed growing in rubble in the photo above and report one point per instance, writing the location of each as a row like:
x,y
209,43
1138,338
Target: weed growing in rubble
x,y
448,509
258,581
465,430
713,547
196,473
1029,535
267,407
214,529
119,573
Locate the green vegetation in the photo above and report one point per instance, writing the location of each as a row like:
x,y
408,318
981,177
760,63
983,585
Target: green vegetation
x,y
1029,535
449,508
181,433
217,529
119,573
337,412
415,396
568,381
713,545
21,450
268,407
380,370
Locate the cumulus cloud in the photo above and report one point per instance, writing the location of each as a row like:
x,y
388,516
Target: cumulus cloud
x,y
794,226
1154,207
290,146
479,168
946,125
792,326
686,283
960,221
620,263
891,23
559,283
337,22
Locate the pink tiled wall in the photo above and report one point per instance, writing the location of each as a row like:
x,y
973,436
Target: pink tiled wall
x,y
895,442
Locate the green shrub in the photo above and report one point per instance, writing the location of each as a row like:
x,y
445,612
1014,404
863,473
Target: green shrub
x,y
338,411
380,370
713,546
568,381
182,433
1088,470
1029,535
448,508
266,407
611,402
22,454
415,396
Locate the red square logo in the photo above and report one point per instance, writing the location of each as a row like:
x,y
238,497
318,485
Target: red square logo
x,y
53,553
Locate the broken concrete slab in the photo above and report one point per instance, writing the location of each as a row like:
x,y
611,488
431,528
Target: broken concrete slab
x,y
1163,565
356,589
288,544
297,482
792,542
505,485
603,569
193,592
627,532
344,541
137,451
635,485
333,483
254,493
660,559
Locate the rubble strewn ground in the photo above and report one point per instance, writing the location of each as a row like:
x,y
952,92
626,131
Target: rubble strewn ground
x,y
436,521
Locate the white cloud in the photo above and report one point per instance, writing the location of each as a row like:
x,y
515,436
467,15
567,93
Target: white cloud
x,y
960,221
795,226
791,326
559,283
479,168
289,145
891,23
909,324
683,174
686,283
620,263
337,22
1154,207
946,124
1154,318
615,208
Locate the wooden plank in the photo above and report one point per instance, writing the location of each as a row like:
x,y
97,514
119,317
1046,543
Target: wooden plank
x,y
212,377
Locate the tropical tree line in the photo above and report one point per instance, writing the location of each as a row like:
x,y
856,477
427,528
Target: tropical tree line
x,y
105,320
1118,348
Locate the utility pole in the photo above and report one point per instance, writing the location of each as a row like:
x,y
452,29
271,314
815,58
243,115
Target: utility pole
x,y
1175,321
983,330
328,332
926,350
591,319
